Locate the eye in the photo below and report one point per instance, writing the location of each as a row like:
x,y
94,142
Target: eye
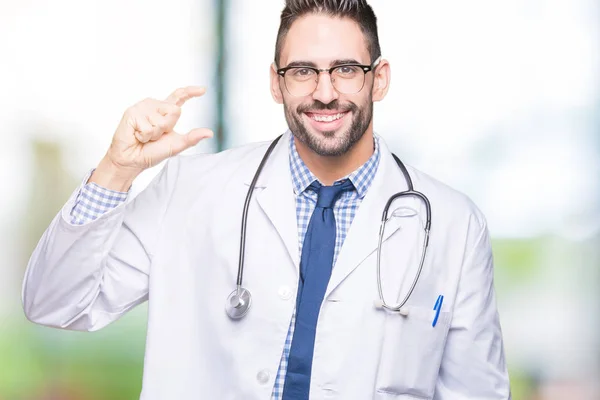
x,y
302,72
347,70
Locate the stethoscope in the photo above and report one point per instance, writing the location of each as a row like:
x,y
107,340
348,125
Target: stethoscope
x,y
239,301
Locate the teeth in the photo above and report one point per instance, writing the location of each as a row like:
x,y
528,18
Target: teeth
x,y
327,118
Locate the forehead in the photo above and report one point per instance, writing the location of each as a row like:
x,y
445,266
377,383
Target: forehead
x,y
321,38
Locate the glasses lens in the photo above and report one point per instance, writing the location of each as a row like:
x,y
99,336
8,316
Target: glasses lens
x,y
348,79
300,81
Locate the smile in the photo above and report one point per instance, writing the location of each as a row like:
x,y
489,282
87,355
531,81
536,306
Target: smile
x,y
326,118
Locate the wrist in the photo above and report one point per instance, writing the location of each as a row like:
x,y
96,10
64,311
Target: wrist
x,y
111,176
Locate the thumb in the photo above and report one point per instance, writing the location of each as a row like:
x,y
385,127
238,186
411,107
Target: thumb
x,y
180,143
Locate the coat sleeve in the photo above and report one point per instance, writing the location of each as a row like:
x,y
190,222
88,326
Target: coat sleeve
x,y
83,277
473,365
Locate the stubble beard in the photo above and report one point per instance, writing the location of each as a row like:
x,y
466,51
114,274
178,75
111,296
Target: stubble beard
x,y
327,143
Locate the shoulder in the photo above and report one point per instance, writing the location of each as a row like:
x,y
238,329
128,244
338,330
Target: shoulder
x,y
458,226
238,161
447,203
230,158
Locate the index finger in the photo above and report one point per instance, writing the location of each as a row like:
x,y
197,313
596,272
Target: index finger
x,y
181,95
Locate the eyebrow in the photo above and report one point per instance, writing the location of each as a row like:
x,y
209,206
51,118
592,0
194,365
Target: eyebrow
x,y
302,64
342,61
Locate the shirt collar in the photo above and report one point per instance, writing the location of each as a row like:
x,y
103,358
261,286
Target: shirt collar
x,y
361,178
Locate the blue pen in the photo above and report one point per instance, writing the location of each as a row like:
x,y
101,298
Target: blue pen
x,y
437,308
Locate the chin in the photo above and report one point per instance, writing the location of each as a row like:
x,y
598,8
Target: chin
x,y
328,144
326,139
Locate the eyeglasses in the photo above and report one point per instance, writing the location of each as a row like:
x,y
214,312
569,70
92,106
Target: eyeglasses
x,y
345,78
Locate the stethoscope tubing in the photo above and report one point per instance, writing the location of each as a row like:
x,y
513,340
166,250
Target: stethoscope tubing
x,y
240,274
239,301
384,218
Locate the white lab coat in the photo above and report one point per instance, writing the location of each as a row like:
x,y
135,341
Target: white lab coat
x,y
177,244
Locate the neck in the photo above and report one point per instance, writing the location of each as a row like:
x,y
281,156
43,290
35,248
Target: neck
x,y
329,169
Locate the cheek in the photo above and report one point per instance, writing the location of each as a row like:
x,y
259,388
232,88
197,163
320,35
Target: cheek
x,y
367,100
289,105
292,104
278,91
361,103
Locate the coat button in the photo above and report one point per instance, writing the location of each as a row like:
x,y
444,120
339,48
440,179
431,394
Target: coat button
x,y
285,292
263,376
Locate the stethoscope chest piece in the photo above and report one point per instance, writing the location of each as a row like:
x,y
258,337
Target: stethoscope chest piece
x,y
238,303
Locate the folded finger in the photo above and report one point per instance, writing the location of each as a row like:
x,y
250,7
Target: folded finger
x,y
161,124
144,129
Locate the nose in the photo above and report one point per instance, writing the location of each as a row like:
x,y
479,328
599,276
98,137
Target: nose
x,y
325,92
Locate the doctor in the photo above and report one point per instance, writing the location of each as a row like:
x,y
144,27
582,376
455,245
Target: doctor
x,y
310,329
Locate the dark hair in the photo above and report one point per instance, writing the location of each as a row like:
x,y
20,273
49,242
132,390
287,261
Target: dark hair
x,y
357,10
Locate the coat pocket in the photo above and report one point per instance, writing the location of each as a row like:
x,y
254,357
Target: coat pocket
x,y
411,353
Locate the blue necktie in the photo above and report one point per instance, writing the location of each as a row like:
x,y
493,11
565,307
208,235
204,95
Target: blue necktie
x,y
315,269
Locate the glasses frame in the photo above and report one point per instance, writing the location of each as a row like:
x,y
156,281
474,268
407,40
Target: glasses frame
x,y
365,69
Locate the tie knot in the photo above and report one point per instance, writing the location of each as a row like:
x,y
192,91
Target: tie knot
x,y
327,195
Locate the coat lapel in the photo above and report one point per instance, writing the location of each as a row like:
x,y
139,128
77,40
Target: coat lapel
x,y
363,235
277,199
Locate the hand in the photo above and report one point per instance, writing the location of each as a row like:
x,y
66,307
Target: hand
x,y
145,137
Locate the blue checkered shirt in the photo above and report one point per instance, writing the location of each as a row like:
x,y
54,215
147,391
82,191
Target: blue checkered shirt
x,y
94,201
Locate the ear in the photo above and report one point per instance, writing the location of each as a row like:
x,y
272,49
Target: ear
x,y
381,83
275,85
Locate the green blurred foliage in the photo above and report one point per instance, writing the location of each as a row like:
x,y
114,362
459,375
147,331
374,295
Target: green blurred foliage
x,y
42,363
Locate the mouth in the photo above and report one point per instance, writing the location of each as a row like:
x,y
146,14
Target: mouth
x,y
326,121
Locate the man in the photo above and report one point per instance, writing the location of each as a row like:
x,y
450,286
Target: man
x,y
310,257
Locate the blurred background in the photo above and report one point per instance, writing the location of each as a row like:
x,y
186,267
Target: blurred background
x,y
499,99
